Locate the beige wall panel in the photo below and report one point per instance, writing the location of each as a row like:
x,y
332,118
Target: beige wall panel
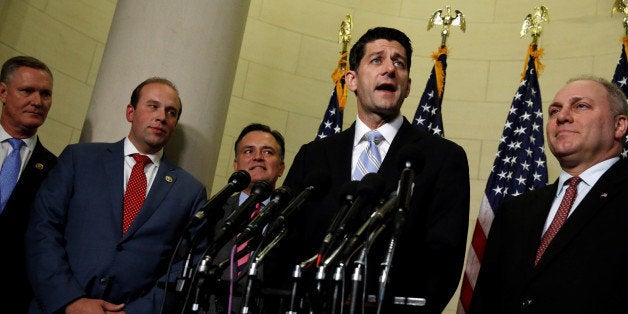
x,y
472,148
318,58
83,15
279,89
260,45
69,100
310,18
95,65
466,80
242,112
240,78
55,135
504,78
40,35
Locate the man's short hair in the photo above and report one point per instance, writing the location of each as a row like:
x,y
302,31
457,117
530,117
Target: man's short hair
x,y
264,128
135,95
617,98
357,51
11,65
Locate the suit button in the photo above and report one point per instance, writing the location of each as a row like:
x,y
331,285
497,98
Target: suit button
x,y
119,248
104,281
525,303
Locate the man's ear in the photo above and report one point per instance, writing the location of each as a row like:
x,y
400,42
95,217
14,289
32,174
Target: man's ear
x,y
350,80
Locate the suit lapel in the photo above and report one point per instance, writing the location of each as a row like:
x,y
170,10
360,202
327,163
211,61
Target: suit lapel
x,y
340,153
113,169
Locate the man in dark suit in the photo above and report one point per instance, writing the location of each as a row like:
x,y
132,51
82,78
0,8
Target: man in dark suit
x,y
84,253
26,95
260,151
544,256
427,263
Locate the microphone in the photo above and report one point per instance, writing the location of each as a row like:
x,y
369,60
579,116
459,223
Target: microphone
x,y
410,160
238,181
369,188
259,192
317,184
278,199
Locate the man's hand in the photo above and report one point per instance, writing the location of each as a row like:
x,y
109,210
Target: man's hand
x,y
88,306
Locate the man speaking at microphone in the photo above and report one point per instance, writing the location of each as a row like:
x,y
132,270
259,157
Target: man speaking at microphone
x,y
430,252
260,151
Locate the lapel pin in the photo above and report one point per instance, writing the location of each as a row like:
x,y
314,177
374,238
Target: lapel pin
x,y
603,195
169,179
39,166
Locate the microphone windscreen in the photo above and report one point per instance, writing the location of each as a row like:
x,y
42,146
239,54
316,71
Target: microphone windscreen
x,y
283,192
372,183
348,189
262,189
240,180
320,181
410,156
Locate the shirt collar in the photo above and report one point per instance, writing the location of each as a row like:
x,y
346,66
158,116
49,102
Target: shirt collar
x,y
388,130
129,149
589,176
30,141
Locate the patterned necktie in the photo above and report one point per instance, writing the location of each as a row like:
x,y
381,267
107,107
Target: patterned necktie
x,y
560,217
135,191
243,248
10,171
369,160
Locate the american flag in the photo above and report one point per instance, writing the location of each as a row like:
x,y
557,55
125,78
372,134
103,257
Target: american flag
x,y
620,78
332,120
520,165
428,113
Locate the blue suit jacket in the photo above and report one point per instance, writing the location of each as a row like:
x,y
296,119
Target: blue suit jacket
x,y
74,242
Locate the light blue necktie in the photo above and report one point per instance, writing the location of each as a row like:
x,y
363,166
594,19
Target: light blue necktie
x,y
10,171
369,160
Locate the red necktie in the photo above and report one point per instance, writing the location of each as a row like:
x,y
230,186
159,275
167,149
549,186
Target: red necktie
x,y
241,263
560,217
135,191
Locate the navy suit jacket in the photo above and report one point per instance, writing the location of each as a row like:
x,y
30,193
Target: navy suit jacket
x,y
74,242
583,270
431,248
13,222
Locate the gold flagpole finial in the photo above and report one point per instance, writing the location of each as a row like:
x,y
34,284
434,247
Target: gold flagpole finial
x,y
532,23
620,6
344,34
447,18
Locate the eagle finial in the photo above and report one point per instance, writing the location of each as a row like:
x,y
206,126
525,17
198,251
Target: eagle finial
x,y
620,7
447,19
344,34
532,23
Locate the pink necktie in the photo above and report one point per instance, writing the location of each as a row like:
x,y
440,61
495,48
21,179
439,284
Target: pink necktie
x,y
560,217
135,191
241,263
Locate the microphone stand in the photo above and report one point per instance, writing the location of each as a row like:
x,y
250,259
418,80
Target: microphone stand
x,y
256,260
338,279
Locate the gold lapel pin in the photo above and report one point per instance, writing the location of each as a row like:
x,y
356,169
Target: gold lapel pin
x,y
169,179
39,166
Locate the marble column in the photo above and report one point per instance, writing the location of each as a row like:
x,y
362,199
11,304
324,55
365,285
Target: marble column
x,y
193,43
